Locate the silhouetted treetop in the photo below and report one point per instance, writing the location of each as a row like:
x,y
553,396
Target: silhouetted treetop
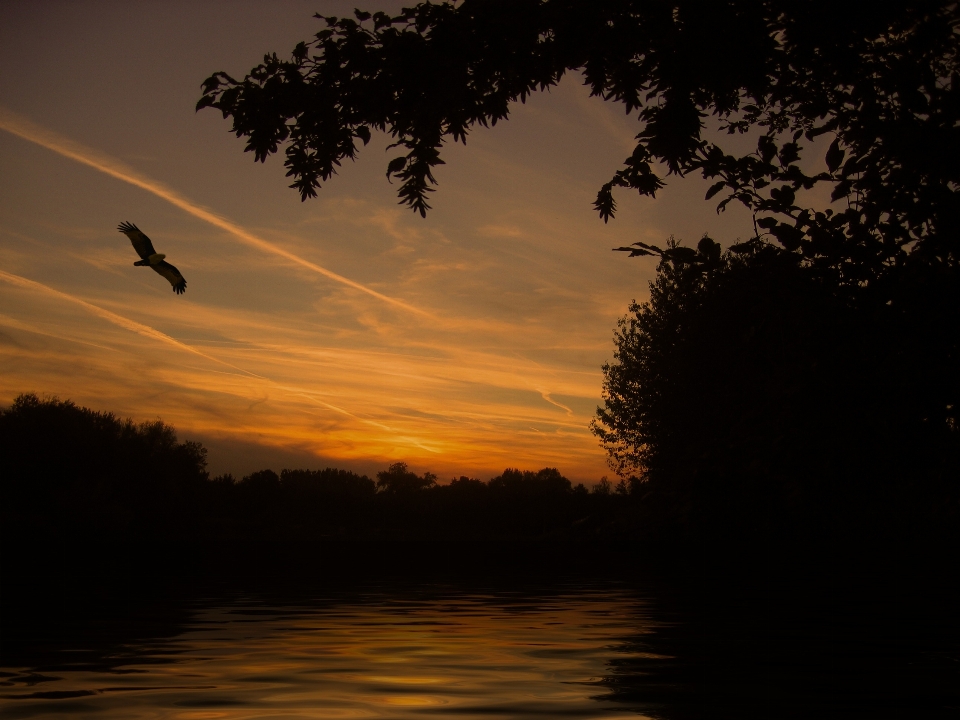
x,y
57,439
262,479
398,479
71,470
527,482
329,482
880,80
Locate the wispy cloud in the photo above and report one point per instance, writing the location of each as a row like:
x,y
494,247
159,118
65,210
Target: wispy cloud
x,y
546,396
28,130
14,323
113,317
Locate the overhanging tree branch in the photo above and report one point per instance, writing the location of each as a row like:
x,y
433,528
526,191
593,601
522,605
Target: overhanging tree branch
x,y
882,79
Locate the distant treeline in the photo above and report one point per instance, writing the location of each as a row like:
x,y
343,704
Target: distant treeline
x,y
75,478
75,475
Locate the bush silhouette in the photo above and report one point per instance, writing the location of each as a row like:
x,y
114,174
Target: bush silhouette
x,y
71,473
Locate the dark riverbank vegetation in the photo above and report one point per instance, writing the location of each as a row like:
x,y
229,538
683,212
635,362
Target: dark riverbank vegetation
x,y
74,475
75,479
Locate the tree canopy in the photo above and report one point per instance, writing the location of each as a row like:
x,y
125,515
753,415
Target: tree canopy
x,y
68,471
398,479
752,396
880,80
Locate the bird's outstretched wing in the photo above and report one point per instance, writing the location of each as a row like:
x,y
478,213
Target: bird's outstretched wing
x,y
141,243
172,275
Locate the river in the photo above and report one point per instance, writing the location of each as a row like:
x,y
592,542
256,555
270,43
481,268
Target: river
x,y
566,647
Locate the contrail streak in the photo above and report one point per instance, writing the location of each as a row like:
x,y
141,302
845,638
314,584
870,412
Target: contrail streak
x,y
12,322
546,396
112,317
23,128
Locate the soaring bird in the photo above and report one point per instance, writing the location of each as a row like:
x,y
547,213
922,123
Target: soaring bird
x,y
151,258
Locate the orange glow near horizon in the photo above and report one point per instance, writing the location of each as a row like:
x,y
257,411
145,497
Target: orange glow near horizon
x,y
344,331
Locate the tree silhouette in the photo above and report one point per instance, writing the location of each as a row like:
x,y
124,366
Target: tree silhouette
x,y
398,480
752,394
881,81
517,482
71,474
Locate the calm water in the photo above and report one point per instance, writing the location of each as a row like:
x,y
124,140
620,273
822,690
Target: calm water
x,y
375,654
598,649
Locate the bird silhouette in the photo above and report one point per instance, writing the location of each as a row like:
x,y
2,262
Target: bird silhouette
x,y
151,258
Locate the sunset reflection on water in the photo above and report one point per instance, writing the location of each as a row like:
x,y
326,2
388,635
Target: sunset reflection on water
x,y
373,655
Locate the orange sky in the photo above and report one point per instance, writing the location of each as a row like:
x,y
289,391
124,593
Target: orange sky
x,y
343,331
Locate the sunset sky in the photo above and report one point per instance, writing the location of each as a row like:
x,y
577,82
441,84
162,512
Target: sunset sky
x,y
345,331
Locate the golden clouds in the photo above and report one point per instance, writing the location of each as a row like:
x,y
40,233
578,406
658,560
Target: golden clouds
x,y
344,327
414,396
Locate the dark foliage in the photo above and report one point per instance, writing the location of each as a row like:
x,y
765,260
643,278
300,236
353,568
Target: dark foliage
x,y
75,478
336,504
754,395
880,80
398,480
69,472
